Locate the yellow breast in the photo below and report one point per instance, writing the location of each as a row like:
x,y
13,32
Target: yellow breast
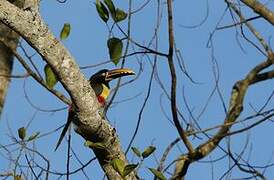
x,y
105,92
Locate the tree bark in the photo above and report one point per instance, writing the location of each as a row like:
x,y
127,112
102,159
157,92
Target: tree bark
x,y
6,57
90,124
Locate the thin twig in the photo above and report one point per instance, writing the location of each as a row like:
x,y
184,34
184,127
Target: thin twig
x,y
238,23
250,27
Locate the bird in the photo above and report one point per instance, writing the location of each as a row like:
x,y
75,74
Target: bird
x,y
100,85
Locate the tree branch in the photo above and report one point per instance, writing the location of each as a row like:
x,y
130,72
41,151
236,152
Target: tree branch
x,y
90,124
235,108
36,77
260,9
173,79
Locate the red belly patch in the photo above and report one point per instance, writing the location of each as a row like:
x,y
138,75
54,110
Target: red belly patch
x,y
101,100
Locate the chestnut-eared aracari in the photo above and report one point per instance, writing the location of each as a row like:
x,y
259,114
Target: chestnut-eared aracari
x,y
100,84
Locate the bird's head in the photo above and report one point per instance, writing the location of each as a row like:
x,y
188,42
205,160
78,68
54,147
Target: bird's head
x,y
104,76
100,81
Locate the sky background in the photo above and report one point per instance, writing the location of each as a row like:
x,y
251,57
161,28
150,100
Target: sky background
x,y
87,43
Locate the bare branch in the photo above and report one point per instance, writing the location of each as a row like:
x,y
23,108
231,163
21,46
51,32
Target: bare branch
x,y
173,79
235,108
260,9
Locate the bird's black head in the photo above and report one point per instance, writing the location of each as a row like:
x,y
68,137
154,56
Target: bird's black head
x,y
99,77
104,76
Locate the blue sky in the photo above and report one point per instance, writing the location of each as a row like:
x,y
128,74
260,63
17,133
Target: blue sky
x,y
87,43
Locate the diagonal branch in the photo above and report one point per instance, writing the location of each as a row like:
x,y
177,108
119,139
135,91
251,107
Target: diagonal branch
x,y
250,27
260,9
35,76
89,124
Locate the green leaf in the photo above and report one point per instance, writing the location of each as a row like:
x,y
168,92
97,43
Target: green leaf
x,y
115,47
118,165
136,151
128,169
65,31
33,136
157,173
22,133
102,11
120,15
96,145
148,151
111,7
51,78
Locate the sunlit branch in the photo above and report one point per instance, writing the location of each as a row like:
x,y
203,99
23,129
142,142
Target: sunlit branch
x,y
260,9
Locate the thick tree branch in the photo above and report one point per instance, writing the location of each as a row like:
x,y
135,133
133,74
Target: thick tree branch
x,y
35,76
90,124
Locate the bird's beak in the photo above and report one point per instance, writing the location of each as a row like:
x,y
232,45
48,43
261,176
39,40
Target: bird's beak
x,y
117,73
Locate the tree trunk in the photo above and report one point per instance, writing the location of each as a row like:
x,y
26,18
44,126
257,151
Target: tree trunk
x,y
6,57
